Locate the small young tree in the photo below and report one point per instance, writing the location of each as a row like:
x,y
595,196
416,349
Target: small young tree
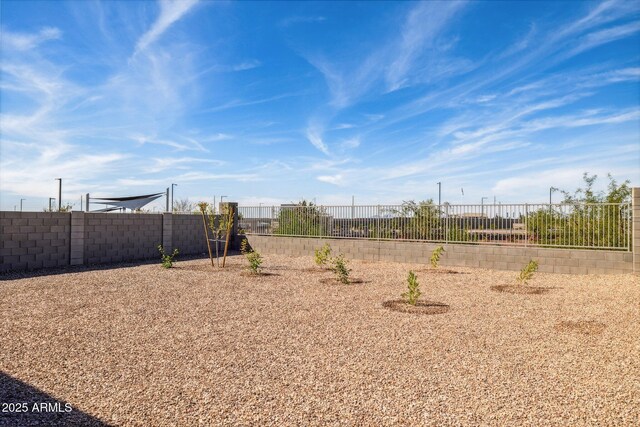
x,y
412,295
322,255
435,256
167,260
527,272
340,269
183,206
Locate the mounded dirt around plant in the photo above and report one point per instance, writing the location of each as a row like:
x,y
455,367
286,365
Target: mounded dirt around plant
x,y
208,267
334,281
585,327
439,271
520,289
315,270
421,307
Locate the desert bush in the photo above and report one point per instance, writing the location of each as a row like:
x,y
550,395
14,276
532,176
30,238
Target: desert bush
x,y
340,269
302,219
322,255
167,260
527,272
412,295
244,247
254,257
435,256
255,261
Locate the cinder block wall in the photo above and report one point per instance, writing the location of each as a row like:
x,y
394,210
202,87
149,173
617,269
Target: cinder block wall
x,y
486,256
32,240
635,237
114,237
188,234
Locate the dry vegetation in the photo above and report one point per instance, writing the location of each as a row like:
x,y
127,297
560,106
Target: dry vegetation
x,y
143,345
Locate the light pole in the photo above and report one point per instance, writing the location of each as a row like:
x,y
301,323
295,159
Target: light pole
x,y
59,193
551,191
172,191
439,194
50,199
482,206
222,197
21,200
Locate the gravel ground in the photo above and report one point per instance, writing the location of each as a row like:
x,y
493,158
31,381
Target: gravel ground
x,y
141,345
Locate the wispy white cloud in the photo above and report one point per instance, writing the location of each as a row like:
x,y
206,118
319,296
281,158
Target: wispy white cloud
x,y
26,41
292,20
236,103
189,177
240,66
601,37
166,163
314,135
351,142
332,179
396,62
420,30
192,144
170,12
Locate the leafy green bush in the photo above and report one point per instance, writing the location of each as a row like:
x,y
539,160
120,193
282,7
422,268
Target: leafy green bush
x,y
167,260
244,247
435,256
527,272
340,269
322,255
254,257
412,295
302,219
255,261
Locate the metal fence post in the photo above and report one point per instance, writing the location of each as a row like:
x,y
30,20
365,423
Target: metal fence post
x,y
526,223
446,224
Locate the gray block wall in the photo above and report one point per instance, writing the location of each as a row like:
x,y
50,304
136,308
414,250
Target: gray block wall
x,y
116,237
188,234
32,240
486,256
635,237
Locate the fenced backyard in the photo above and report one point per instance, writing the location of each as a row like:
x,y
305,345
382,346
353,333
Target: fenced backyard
x,y
604,226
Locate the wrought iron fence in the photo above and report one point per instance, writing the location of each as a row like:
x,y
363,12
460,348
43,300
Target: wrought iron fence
x,y
588,226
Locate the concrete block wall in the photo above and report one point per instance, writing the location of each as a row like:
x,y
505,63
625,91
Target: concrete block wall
x,y
486,256
188,234
32,240
635,236
115,237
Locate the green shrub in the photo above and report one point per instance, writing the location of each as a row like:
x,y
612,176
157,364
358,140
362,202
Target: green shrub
x,y
435,256
255,261
167,260
322,254
254,257
412,295
527,272
244,247
340,269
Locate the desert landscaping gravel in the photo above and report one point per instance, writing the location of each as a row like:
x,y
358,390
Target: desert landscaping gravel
x,y
145,346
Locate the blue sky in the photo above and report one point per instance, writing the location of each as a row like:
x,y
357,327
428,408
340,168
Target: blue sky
x,y
272,102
